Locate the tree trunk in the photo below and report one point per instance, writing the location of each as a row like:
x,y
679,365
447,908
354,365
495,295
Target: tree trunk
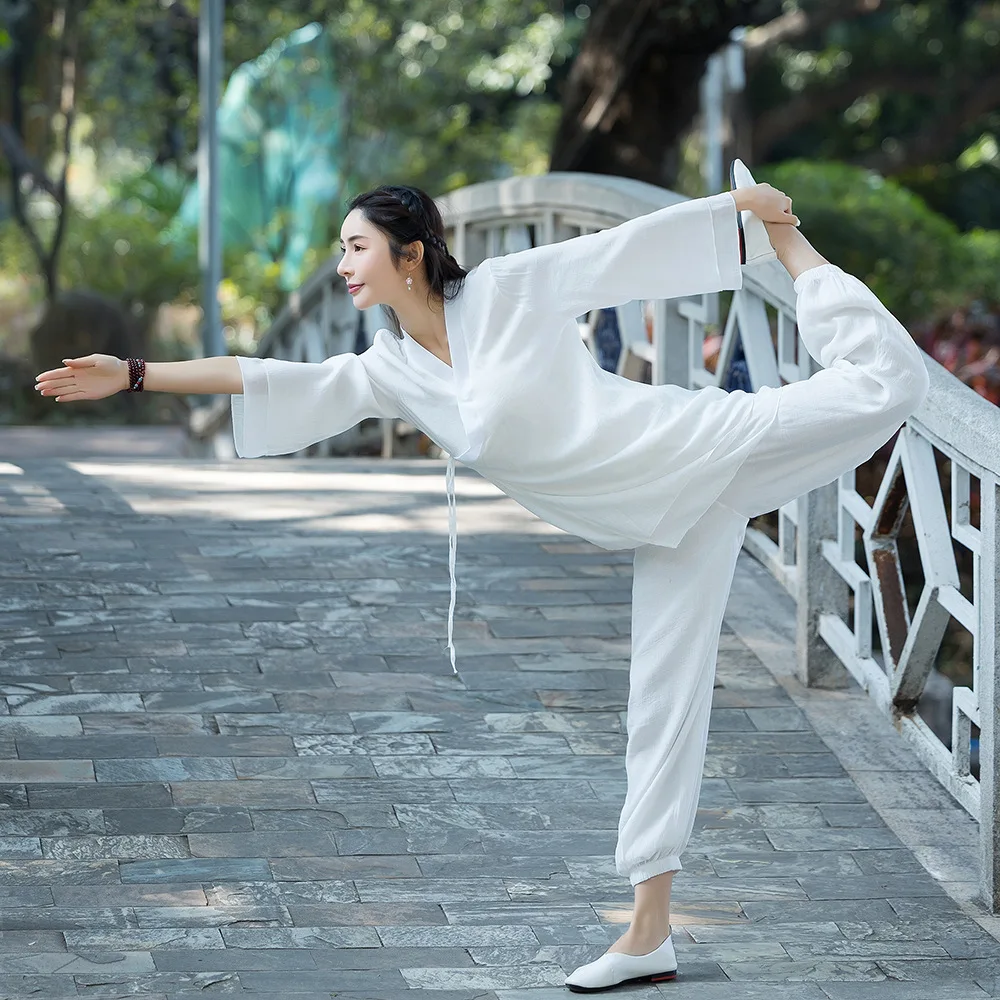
x,y
65,26
633,90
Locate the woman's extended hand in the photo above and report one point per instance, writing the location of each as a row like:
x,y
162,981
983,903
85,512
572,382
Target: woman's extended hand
x,y
92,377
766,202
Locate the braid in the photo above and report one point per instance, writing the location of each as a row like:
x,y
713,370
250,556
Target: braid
x,y
412,204
436,240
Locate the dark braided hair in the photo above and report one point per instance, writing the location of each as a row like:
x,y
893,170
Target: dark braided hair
x,y
405,215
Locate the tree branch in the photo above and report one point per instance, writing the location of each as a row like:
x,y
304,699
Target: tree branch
x,y
67,105
797,24
772,126
21,161
929,145
23,164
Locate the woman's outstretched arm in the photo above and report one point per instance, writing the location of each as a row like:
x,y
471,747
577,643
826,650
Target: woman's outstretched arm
x,y
98,375
278,407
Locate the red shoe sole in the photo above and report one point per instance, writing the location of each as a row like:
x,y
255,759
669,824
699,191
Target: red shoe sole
x,y
739,215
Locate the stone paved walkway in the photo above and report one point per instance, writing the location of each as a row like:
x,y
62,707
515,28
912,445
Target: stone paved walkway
x,y
234,759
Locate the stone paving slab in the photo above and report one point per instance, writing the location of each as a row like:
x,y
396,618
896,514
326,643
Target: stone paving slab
x,y
234,758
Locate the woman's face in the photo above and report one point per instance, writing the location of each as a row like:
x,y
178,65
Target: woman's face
x,y
367,264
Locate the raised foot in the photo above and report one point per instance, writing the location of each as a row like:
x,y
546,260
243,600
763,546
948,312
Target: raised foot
x,y
755,247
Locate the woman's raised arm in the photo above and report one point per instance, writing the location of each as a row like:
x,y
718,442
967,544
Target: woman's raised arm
x,y
687,248
98,375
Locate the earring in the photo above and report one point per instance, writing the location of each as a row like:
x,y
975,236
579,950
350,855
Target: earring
x,y
409,283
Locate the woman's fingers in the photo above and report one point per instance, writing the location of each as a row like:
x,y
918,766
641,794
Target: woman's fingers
x,y
54,385
781,206
73,365
64,384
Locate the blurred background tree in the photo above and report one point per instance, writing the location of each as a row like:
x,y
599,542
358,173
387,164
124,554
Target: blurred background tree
x,y
41,59
911,90
438,93
881,117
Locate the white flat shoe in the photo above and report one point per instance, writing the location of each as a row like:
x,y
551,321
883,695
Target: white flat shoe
x,y
755,247
615,969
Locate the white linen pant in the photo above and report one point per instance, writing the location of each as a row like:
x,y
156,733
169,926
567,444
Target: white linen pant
x,y
873,377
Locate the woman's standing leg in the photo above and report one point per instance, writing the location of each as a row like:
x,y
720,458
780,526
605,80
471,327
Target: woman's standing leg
x,y
679,597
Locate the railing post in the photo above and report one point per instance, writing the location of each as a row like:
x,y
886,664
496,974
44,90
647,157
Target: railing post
x,y
987,682
671,345
388,432
821,589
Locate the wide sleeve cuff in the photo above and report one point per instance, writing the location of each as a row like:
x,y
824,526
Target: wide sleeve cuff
x,y
249,410
727,239
691,247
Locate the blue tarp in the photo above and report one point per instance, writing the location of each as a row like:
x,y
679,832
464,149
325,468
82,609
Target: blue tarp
x,y
281,124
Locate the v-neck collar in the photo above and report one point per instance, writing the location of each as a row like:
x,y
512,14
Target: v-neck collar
x,y
430,356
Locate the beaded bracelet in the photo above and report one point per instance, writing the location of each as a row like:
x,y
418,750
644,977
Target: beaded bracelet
x,y
136,374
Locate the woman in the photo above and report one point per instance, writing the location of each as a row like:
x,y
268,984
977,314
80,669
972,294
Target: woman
x,y
489,363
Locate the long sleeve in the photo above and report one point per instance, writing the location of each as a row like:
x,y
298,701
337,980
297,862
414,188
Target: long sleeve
x,y
684,249
289,405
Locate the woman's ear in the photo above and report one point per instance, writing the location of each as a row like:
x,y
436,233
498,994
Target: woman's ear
x,y
414,251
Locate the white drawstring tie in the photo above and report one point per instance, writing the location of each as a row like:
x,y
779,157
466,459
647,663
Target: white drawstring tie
x,y
452,548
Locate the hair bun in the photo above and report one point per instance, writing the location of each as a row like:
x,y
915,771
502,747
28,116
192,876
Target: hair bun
x,y
408,200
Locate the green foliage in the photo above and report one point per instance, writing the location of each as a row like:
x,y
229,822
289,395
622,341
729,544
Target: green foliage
x,y
437,93
16,259
118,250
982,280
969,194
899,86
251,293
443,93
440,93
915,260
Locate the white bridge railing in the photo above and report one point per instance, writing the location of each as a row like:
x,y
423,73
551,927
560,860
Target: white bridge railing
x,y
814,556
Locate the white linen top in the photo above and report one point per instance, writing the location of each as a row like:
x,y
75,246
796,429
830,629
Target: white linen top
x,y
617,462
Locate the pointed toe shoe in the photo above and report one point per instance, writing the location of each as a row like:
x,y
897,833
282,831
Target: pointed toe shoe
x,y
615,969
755,246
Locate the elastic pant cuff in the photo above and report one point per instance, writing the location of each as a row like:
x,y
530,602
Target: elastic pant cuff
x,y
814,273
670,863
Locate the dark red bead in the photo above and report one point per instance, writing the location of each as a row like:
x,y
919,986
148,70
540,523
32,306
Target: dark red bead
x,y
136,374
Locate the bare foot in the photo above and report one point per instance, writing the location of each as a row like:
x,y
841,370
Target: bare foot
x,y
634,942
